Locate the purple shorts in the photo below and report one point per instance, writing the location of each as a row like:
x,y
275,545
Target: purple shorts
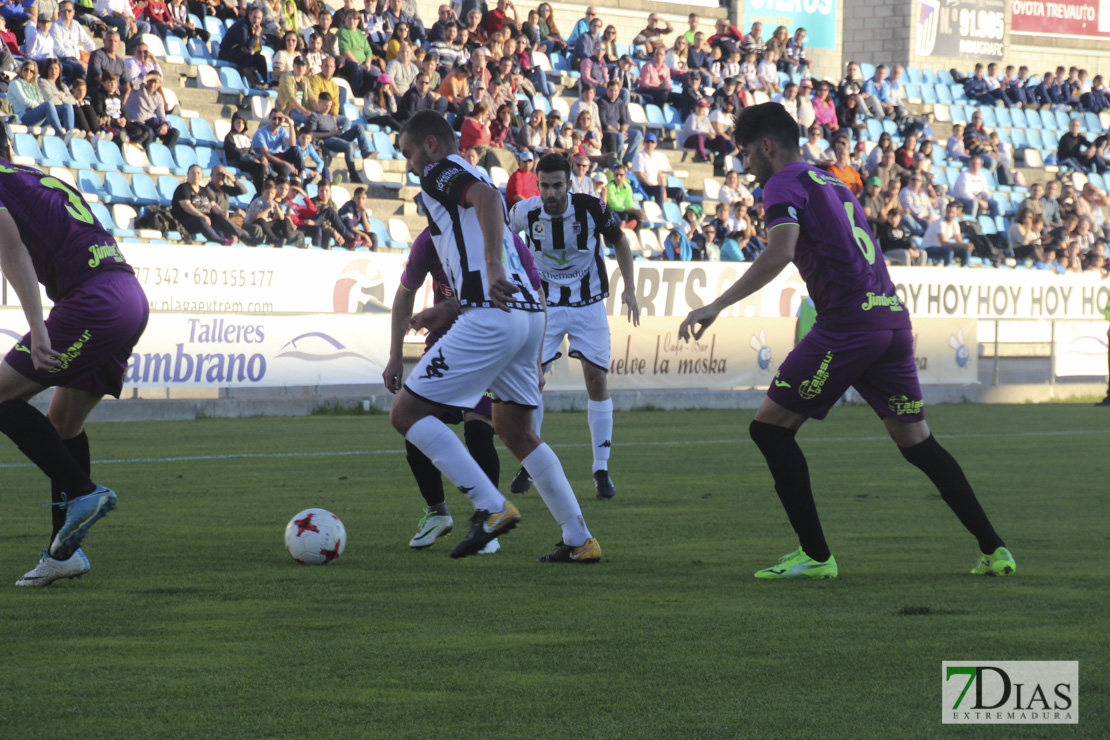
x,y
455,416
94,327
878,364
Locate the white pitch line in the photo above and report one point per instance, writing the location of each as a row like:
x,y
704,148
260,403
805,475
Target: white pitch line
x,y
348,453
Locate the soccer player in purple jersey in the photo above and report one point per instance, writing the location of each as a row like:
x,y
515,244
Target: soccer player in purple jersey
x,y
862,338
477,422
49,236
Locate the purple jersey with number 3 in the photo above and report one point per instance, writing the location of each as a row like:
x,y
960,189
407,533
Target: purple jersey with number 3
x,y
836,254
66,243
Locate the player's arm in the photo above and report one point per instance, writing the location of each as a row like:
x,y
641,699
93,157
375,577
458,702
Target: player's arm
x,y
15,262
623,251
489,206
782,241
403,302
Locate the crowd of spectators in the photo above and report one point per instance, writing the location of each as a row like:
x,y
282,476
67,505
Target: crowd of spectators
x,y
480,68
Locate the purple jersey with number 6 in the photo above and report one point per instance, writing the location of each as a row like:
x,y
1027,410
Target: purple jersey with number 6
x,y
836,254
66,243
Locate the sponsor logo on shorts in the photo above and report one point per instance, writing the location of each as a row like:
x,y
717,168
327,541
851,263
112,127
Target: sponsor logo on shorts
x,y
903,405
71,354
812,388
21,348
436,367
883,301
101,252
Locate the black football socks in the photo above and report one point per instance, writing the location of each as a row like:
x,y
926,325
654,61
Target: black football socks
x,y
479,442
947,475
428,479
37,438
791,473
78,447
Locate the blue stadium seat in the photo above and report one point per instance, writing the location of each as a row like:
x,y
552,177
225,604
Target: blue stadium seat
x,y
989,119
987,225
214,27
232,82
207,157
890,127
203,134
957,91
160,156
243,201
944,95
939,156
1003,135
929,94
1048,120
104,216
82,153
950,175
944,77
26,145
175,47
56,149
89,182
1017,115
146,192
1062,121
1017,138
911,90
1002,115
167,184
929,76
874,129
378,229
1097,180
384,146
672,213
655,117
185,156
671,118
182,126
111,158
118,188
1091,122
867,69
913,74
1049,139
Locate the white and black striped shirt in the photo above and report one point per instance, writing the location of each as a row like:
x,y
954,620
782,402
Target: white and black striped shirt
x,y
457,236
569,246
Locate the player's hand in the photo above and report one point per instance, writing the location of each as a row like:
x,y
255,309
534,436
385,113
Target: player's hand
x,y
434,319
701,318
628,298
42,355
392,374
501,290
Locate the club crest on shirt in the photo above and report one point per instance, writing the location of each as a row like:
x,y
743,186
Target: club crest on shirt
x,y
576,228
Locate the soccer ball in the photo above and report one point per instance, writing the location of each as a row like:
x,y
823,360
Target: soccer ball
x,y
315,537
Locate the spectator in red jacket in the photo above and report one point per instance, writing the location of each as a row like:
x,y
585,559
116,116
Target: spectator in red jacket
x,y
522,183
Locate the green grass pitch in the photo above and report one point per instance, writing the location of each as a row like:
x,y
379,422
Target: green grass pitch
x,y
195,623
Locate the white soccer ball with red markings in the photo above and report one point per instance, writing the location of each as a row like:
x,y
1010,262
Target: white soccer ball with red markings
x,y
315,537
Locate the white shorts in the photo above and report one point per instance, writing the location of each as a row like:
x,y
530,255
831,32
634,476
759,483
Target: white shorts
x,y
588,329
485,348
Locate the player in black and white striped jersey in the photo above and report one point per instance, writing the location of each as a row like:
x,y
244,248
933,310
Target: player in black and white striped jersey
x,y
494,344
566,231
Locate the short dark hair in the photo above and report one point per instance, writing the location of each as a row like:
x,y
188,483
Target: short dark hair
x,y
553,163
324,95
428,123
766,121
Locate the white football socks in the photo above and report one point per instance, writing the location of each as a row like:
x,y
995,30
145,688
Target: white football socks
x,y
547,473
432,437
599,415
